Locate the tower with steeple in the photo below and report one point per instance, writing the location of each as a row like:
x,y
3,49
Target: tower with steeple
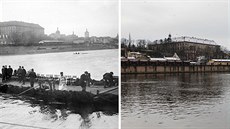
x,y
57,32
86,34
130,41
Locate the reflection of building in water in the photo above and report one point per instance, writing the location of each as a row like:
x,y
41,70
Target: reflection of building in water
x,y
188,48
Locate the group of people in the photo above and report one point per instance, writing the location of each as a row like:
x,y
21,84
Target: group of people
x,y
6,73
84,81
21,73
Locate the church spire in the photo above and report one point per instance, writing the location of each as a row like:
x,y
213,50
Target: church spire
x,y
130,41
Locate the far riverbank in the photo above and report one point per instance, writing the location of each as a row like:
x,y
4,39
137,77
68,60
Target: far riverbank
x,y
51,48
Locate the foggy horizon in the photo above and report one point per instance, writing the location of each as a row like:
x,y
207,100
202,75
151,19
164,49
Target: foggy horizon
x,y
154,20
100,18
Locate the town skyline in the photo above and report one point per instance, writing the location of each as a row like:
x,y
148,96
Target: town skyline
x,y
99,17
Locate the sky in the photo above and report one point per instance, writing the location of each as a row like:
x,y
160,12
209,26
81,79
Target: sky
x,y
155,19
100,17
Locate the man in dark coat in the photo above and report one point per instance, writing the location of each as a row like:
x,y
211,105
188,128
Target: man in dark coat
x,y
23,75
108,78
19,73
9,72
6,74
3,73
83,81
88,78
32,76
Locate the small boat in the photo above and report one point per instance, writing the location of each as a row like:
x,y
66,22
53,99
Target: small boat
x,y
76,53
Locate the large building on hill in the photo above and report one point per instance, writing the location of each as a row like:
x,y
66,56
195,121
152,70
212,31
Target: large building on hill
x,y
187,48
10,28
20,27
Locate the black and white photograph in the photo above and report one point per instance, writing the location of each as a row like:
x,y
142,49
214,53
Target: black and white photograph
x,y
175,64
59,64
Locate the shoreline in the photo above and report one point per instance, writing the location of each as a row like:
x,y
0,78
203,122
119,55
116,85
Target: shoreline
x,y
59,52
148,67
42,49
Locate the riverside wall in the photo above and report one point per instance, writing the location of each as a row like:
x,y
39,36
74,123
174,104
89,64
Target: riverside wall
x,y
144,67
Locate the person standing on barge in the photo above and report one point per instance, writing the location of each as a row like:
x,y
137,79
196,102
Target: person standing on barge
x,y
3,73
62,82
23,75
9,72
83,81
32,76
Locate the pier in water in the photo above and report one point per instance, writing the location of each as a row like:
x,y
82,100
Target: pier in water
x,y
175,101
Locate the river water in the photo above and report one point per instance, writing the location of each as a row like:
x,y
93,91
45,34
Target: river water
x,y
175,101
20,113
97,62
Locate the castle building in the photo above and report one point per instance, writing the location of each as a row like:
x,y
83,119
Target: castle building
x,y
188,48
7,28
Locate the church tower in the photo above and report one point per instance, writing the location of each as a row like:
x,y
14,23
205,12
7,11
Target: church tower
x,y
86,34
57,32
130,41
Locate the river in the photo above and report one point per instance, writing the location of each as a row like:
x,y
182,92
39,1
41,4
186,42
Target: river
x,y
20,113
97,62
175,101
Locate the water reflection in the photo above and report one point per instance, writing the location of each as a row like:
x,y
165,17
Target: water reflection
x,y
21,112
174,97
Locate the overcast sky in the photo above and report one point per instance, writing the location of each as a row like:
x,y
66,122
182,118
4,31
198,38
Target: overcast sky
x,y
100,17
156,19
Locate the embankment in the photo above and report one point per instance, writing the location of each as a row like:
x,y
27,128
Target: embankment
x,y
50,48
136,67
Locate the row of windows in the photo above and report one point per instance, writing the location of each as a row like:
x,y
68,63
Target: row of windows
x,y
10,29
3,36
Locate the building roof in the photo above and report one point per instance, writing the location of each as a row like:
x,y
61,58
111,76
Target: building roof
x,y
51,41
20,23
221,60
194,40
188,40
157,59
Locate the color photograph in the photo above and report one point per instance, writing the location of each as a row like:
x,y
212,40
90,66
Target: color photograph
x,y
175,64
